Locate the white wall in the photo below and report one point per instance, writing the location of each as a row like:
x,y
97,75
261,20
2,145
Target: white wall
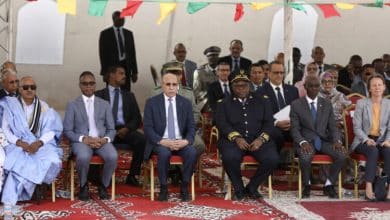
x,y
362,30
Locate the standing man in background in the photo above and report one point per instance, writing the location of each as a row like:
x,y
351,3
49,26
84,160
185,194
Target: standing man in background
x,y
189,66
116,47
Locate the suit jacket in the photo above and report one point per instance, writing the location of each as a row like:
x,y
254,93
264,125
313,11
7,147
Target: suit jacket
x,y
108,51
215,93
190,68
252,88
76,119
131,113
155,121
290,94
362,120
245,64
360,88
303,128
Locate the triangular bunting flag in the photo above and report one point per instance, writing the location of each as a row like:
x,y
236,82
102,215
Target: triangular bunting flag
x,y
259,6
165,10
297,6
131,8
328,10
377,4
345,6
97,7
239,12
193,7
67,6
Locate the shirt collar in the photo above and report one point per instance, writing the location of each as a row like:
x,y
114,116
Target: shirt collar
x,y
24,104
166,98
274,86
309,100
112,89
85,98
220,81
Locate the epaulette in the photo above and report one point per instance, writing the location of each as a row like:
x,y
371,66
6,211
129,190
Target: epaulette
x,y
185,87
265,96
219,100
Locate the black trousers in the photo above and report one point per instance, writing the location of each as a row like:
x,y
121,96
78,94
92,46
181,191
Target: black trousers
x,y
232,155
372,155
134,141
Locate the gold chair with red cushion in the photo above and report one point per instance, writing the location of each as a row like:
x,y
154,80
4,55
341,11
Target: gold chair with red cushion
x,y
354,97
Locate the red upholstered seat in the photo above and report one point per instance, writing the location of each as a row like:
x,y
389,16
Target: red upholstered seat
x,y
359,157
248,159
322,158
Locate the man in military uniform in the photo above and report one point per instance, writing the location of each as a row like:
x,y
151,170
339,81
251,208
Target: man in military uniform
x,y
177,68
204,76
244,121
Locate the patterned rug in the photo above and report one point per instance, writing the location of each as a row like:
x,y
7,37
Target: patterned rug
x,y
134,203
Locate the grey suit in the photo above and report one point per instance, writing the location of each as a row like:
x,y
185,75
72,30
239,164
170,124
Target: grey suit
x,y
76,125
303,128
362,121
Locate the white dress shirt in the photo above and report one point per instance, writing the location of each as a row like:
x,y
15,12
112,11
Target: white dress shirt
x,y
276,91
177,130
223,87
28,110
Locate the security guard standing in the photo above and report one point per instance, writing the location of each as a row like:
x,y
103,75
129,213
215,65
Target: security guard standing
x,y
244,121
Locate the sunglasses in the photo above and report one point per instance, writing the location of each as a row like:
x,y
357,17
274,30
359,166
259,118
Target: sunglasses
x,y
171,84
327,81
27,87
13,81
88,83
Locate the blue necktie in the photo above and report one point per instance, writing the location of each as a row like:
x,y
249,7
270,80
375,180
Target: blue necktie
x,y
236,67
225,90
281,102
317,140
115,105
171,121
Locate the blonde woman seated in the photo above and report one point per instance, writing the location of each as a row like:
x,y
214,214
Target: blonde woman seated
x,y
311,69
371,125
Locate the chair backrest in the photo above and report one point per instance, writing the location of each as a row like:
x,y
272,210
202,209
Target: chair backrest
x,y
343,89
388,96
213,136
354,97
348,124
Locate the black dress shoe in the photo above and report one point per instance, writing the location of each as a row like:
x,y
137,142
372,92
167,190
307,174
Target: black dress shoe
x,y
163,196
306,192
330,192
372,199
238,196
184,196
83,194
252,193
102,192
131,180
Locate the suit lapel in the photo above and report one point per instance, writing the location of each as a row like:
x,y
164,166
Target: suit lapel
x,y
161,101
308,112
96,110
273,98
179,112
106,94
286,95
82,108
320,111
369,110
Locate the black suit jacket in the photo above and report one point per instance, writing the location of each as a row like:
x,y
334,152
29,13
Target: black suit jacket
x,y
215,93
108,51
290,94
245,64
131,113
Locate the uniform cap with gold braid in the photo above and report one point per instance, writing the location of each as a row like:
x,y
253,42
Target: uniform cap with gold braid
x,y
172,66
240,77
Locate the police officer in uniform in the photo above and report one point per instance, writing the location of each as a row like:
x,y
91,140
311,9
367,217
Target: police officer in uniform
x,y
244,121
204,76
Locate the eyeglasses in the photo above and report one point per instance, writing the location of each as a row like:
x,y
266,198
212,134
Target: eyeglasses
x,y
13,81
27,87
327,81
311,69
171,84
367,74
92,83
278,72
313,86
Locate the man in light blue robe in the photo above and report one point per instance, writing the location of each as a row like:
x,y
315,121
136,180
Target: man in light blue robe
x,y
33,157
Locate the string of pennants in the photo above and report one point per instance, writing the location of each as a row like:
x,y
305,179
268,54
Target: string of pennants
x,y
97,7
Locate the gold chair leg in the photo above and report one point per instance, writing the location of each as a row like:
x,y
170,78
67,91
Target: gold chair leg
x,y
53,191
340,186
193,187
229,190
355,182
113,187
299,182
200,173
151,180
71,180
270,186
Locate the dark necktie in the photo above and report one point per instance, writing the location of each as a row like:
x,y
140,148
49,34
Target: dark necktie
x,y
281,102
320,69
115,105
183,78
11,94
317,140
236,68
120,42
225,90
171,121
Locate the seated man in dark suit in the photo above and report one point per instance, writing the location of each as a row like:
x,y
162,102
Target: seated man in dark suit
x,y
235,60
220,88
257,78
89,125
170,129
280,95
127,119
244,121
314,129
9,83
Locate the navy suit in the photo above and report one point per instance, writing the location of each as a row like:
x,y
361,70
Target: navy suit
x,y
154,126
290,93
245,64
